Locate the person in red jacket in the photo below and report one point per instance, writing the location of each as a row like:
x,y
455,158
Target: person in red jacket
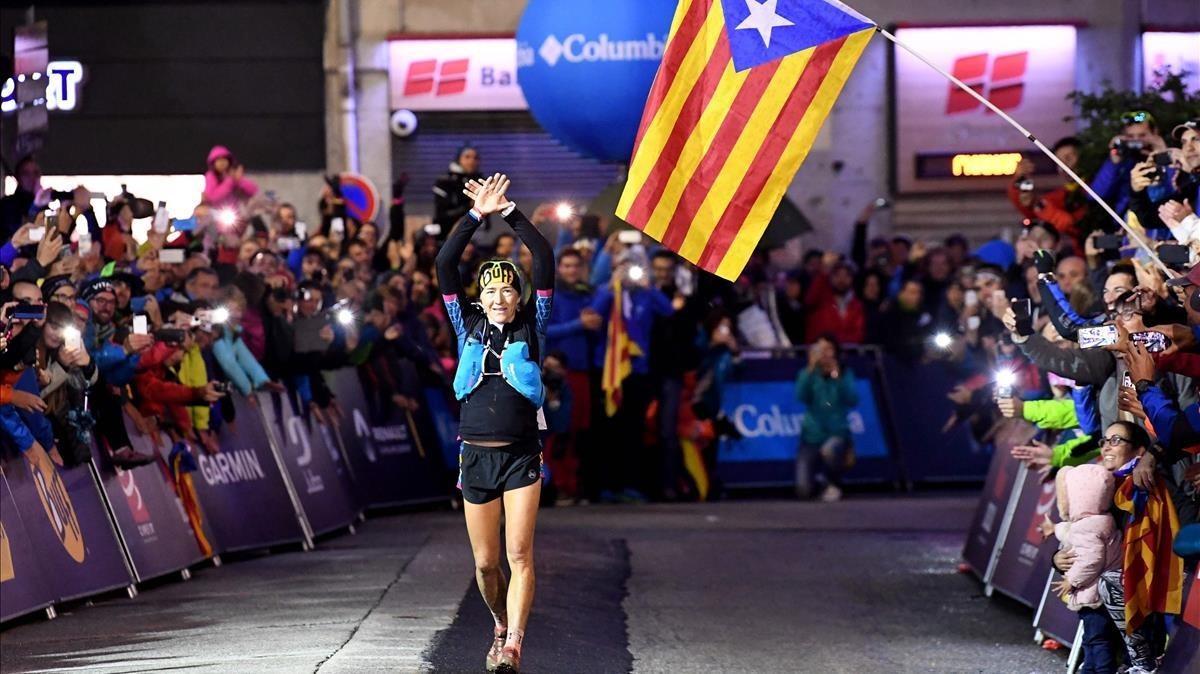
x,y
1062,207
164,399
833,308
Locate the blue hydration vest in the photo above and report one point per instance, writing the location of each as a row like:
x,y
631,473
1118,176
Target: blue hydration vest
x,y
515,366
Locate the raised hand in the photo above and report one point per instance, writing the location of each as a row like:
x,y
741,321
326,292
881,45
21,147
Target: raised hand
x,y
489,196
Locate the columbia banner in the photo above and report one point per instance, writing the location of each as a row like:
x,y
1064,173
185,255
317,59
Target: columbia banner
x,y
742,91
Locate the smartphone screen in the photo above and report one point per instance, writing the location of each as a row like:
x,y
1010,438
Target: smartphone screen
x,y
1155,342
1097,336
1022,308
139,325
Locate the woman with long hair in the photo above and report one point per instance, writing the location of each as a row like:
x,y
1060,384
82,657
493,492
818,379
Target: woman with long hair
x,y
498,380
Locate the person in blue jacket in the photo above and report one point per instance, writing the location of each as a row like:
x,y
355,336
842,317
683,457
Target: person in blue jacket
x,y
1138,140
574,330
499,384
629,474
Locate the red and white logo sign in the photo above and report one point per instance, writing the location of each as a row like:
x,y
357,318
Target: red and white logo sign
x,y
999,79
133,496
467,74
1026,71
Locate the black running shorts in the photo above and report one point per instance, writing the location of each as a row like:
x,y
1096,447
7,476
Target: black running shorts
x,y
485,473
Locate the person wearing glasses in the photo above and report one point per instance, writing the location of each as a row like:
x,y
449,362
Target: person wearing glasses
x,y
1138,140
499,382
1144,505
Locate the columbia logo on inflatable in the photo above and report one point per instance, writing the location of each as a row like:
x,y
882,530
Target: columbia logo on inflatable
x,y
578,49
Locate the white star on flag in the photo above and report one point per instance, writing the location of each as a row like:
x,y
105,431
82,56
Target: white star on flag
x,y
763,18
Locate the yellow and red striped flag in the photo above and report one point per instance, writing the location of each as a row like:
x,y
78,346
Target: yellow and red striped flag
x,y
742,91
1152,574
618,352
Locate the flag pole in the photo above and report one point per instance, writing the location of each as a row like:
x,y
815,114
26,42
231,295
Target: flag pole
x,y
1041,146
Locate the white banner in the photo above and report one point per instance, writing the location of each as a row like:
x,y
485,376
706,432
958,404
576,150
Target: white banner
x,y
467,74
1026,71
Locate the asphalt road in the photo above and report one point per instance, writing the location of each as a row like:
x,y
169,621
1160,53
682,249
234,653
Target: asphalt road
x,y
865,585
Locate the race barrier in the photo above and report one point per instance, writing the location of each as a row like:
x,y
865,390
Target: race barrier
x,y
915,394
314,464
281,476
392,462
151,522
23,588
1023,557
896,426
62,516
994,509
1184,651
1004,545
244,502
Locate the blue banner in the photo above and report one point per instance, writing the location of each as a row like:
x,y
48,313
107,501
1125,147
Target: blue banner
x,y
769,417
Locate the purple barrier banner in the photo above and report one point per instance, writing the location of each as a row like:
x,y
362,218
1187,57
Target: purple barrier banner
x,y
1055,619
314,462
392,465
68,526
150,518
1183,651
1024,558
245,499
1002,474
23,588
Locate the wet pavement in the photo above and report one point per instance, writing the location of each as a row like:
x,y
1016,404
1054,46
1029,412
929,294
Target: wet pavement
x,y
865,585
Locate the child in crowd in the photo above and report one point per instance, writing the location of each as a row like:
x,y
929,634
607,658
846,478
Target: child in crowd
x,y
1085,494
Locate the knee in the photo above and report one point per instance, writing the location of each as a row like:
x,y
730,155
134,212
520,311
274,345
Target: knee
x,y
487,561
520,556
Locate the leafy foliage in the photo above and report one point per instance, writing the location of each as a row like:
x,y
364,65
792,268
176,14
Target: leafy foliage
x,y
1099,114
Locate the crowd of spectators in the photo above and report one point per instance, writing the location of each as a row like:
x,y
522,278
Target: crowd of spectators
x,y
101,326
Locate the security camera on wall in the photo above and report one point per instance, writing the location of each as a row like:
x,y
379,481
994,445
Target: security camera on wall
x,y
404,123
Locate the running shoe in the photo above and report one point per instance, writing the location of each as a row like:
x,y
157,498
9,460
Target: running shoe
x,y
510,661
493,656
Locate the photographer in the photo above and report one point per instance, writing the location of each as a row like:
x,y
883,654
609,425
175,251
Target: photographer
x,y
162,397
1171,175
65,372
322,339
449,202
629,473
828,391
23,423
1138,140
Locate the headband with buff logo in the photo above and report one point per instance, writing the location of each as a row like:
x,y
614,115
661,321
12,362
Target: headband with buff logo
x,y
499,274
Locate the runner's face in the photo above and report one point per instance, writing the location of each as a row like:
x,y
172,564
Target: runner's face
x,y
500,303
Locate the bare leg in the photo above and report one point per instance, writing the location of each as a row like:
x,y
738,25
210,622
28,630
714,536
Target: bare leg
x,y
483,528
520,509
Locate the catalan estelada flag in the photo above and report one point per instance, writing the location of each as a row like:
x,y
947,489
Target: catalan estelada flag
x,y
742,91
1153,573
618,352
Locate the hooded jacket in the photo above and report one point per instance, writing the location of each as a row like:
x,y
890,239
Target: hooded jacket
x,y
225,190
1085,494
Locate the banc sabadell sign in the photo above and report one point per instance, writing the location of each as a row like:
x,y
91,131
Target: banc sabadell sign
x,y
64,79
586,68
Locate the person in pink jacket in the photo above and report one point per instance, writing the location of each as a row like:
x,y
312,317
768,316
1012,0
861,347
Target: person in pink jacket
x,y
1085,494
225,182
